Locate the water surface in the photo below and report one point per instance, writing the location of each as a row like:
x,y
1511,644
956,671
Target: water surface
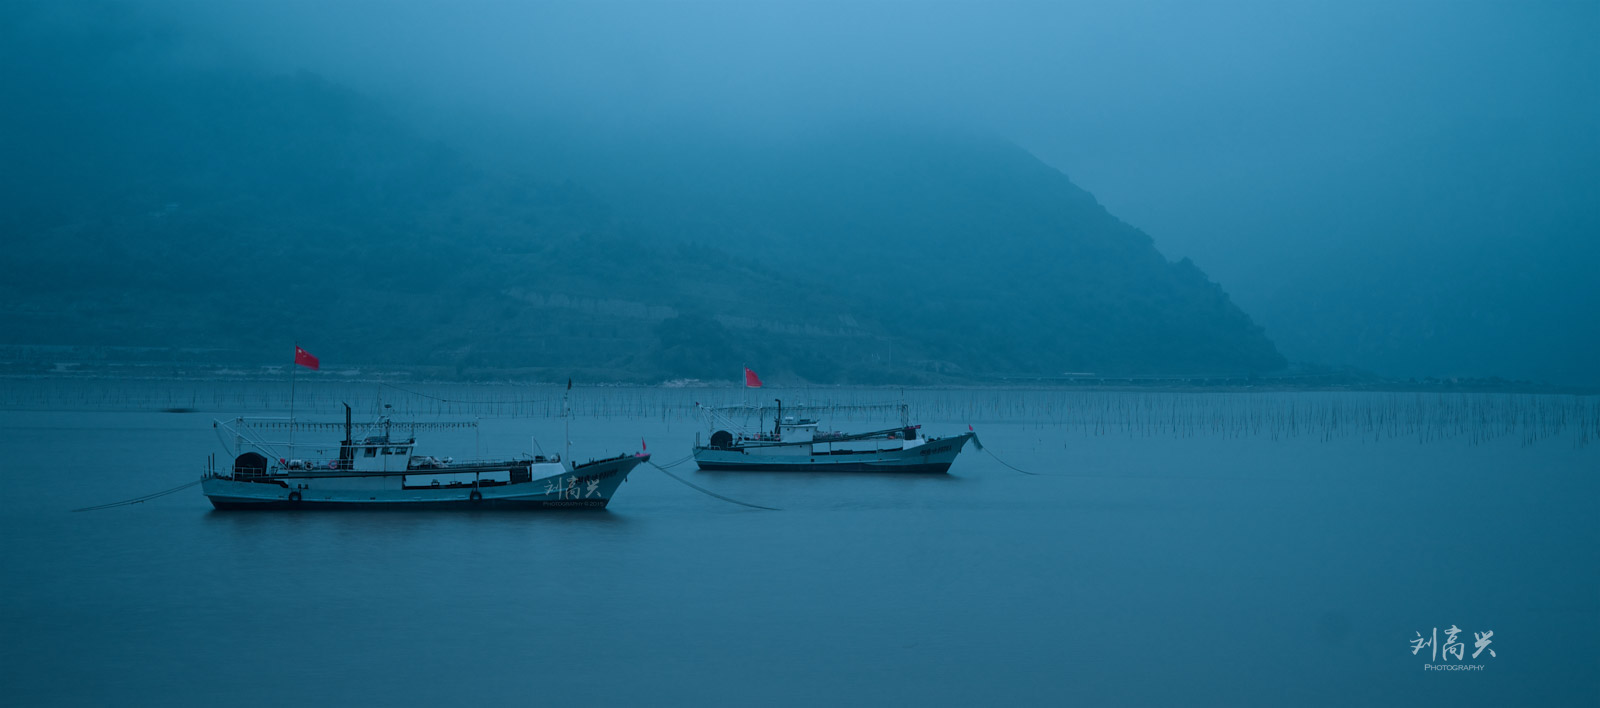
x,y
1144,565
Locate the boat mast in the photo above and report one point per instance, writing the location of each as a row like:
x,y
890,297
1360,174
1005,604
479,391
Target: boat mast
x,y
292,372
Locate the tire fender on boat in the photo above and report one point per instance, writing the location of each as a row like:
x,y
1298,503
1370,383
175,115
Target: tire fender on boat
x,y
294,496
475,495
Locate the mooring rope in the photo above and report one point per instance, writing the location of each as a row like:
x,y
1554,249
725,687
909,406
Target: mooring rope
x,y
708,492
140,500
678,461
1007,464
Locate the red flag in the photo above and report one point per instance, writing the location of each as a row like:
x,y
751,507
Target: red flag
x,y
750,379
304,358
643,446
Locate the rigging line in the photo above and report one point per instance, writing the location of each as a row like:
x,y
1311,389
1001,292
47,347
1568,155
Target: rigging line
x,y
515,401
708,492
809,406
802,404
1007,464
140,500
243,436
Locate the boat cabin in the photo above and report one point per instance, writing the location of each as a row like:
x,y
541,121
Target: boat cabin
x,y
377,453
792,429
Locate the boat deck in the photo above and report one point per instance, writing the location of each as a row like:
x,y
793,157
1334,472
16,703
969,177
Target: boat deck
x,y
453,468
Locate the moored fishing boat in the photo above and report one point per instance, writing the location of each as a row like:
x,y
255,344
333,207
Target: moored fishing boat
x,y
795,444
383,471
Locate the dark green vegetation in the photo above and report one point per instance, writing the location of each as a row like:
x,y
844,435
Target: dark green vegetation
x,y
155,201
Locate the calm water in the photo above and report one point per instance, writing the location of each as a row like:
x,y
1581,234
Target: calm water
x,y
1149,565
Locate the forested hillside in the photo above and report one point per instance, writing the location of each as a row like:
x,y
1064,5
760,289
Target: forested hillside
x,y
156,200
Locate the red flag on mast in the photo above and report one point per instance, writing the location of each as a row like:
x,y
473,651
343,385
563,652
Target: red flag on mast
x,y
304,358
750,379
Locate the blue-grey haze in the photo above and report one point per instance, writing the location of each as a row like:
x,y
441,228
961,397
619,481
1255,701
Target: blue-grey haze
x,y
660,191
1162,555
1408,188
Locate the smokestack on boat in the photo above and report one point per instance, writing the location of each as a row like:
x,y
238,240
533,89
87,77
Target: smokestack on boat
x,y
347,451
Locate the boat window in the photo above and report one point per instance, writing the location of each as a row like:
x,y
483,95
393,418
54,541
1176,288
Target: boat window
x,y
372,452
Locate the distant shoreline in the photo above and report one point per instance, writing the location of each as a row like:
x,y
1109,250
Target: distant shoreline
x,y
1300,383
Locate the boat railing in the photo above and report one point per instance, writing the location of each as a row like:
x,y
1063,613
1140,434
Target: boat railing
x,y
285,423
737,417
242,433
334,466
448,463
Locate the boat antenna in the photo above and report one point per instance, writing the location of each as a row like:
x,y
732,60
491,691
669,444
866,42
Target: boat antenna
x,y
566,414
347,451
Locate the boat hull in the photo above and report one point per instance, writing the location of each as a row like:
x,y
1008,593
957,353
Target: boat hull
x,y
235,504
932,457
589,486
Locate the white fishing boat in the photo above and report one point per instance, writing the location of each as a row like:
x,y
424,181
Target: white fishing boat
x,y
796,444
384,470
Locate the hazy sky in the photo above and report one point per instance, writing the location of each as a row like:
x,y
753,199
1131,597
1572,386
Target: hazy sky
x,y
1287,146
1153,106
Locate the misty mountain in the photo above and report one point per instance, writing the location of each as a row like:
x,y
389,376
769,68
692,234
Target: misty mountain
x,y
157,200
937,227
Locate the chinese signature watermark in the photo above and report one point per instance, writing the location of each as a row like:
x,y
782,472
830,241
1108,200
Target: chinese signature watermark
x,y
568,488
1452,649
